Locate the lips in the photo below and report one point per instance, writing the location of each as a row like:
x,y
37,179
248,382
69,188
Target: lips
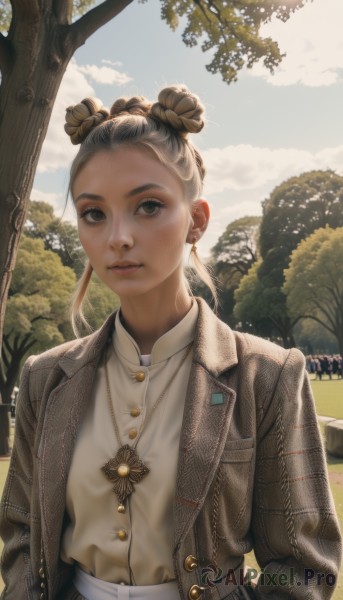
x,y
125,267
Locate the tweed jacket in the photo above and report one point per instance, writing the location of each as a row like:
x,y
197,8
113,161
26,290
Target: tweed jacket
x,y
251,472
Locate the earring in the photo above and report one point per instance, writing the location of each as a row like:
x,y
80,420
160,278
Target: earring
x,y
194,248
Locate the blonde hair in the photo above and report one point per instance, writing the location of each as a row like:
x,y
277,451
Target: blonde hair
x,y
161,127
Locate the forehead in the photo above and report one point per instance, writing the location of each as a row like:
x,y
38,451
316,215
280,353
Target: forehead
x,y
124,168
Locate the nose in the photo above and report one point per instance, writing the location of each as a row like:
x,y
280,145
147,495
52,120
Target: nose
x,y
120,235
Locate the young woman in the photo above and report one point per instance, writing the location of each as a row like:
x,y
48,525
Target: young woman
x,y
150,456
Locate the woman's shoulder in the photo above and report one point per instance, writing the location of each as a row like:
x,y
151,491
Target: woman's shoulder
x,y
262,349
83,348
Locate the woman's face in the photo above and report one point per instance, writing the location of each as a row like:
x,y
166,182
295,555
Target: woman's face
x,y
133,221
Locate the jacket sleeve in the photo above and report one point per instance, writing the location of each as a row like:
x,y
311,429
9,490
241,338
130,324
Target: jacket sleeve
x,y
296,535
16,518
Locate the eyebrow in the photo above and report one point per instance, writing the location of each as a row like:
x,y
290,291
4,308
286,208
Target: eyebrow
x,y
130,194
88,196
144,188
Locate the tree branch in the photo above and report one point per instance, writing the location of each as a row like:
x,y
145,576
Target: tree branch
x,y
84,27
41,318
325,325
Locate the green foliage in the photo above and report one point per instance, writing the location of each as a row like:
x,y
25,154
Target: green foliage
x,y
236,249
100,303
314,280
230,30
299,206
251,306
59,236
295,209
231,258
37,308
39,295
313,338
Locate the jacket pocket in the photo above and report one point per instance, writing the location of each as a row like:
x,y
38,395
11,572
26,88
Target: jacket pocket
x,y
237,451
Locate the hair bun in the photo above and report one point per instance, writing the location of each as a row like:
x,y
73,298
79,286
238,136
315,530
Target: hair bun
x,y
138,105
180,109
83,117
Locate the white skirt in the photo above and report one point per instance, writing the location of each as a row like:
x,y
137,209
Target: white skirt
x,y
96,589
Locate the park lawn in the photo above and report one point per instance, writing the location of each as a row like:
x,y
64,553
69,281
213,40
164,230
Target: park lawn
x,y
328,397
329,402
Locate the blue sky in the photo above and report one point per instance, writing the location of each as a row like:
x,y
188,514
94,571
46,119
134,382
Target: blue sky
x,y
260,130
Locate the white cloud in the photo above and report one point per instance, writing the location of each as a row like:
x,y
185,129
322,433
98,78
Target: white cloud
x,y
105,75
247,167
58,152
313,41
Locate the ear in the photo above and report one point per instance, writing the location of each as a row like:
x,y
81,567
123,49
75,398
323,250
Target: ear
x,y
200,213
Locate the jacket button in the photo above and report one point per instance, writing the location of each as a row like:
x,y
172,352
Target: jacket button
x,y
195,592
190,563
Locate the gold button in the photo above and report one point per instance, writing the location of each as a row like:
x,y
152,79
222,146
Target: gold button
x,y
140,376
195,592
121,508
122,535
190,563
132,434
135,412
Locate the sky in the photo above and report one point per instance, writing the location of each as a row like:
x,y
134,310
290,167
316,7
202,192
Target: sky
x,y
259,131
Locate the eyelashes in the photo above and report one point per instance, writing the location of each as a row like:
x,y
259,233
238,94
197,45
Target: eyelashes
x,y
148,208
92,215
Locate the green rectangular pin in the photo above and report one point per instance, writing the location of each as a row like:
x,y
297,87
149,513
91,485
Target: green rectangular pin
x,y
217,398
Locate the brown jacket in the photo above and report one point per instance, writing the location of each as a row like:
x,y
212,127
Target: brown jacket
x,y
251,471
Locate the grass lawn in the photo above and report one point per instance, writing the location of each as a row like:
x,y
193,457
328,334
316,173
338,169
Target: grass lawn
x,y
329,402
329,397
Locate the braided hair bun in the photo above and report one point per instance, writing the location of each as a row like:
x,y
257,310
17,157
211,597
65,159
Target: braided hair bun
x,y
83,117
138,105
180,109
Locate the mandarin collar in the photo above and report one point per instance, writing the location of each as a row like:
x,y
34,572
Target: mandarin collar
x,y
166,346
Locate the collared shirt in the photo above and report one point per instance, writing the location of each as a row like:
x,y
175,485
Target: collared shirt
x,y
134,547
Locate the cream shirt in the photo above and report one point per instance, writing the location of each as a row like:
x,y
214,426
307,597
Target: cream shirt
x,y
94,537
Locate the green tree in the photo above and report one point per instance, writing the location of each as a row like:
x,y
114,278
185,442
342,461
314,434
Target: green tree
x,y
39,40
231,258
59,236
314,339
37,310
293,211
237,248
255,309
37,315
314,281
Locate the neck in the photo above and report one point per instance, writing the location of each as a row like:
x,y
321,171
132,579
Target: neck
x,y
147,319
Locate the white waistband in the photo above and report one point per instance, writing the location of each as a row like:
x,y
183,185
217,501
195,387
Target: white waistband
x,y
96,589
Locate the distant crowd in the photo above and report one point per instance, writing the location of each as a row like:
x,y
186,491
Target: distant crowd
x,y
325,365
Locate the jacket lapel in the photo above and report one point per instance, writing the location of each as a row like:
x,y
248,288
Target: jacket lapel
x,y
207,415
